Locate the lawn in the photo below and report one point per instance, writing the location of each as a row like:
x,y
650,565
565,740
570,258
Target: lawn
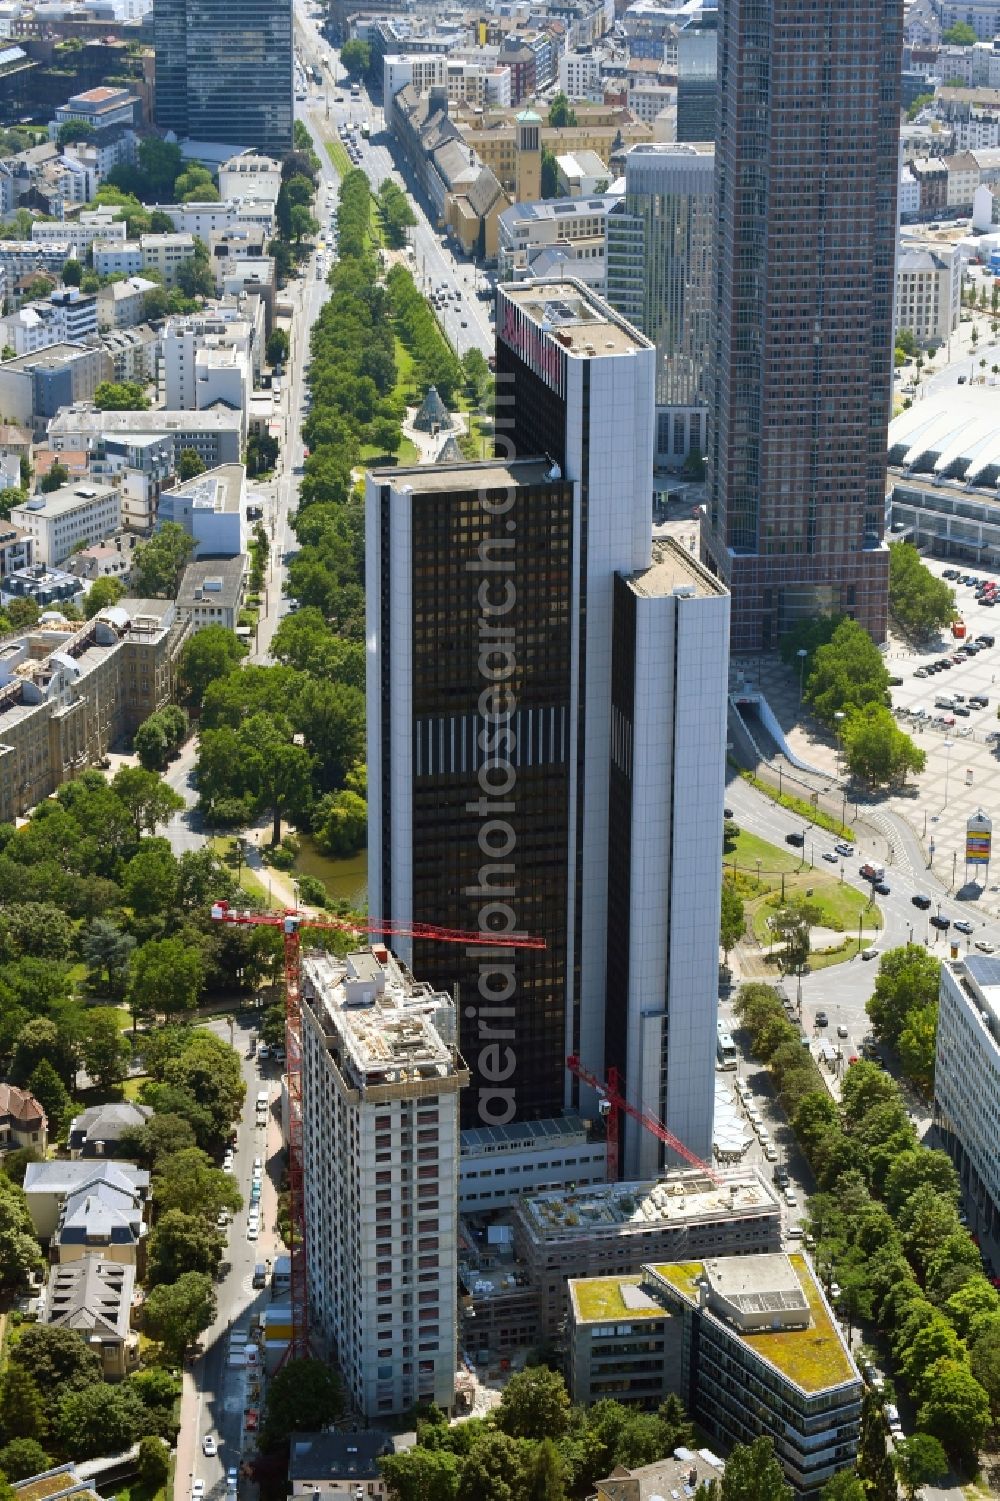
x,y
840,906
251,882
813,1358
743,852
131,1087
781,874
406,453
339,157
601,1298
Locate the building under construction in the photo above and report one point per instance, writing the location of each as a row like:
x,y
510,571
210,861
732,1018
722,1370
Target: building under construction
x,y
615,1228
381,1076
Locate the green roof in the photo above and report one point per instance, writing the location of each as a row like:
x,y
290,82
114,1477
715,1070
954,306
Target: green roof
x,y
598,1298
528,117
813,1358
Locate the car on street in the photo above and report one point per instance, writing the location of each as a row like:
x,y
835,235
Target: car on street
x,y
938,920
882,887
892,1418
197,1490
985,947
919,899
841,1030
831,855
780,1176
223,1218
232,1477
798,840
209,1446
962,926
822,1020
253,1230
845,849
791,1198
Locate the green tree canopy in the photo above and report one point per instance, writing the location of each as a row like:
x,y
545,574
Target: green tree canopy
x,y
534,1404
561,112
103,593
355,58
165,977
190,464
121,396
733,919
960,34
160,562
846,673
177,1313
919,601
305,1395
211,653
876,750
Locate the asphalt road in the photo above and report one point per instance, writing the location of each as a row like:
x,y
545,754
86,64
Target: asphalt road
x,y
466,322
215,1406
843,989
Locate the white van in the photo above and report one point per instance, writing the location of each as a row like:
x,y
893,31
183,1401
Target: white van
x,y
794,1233
770,1152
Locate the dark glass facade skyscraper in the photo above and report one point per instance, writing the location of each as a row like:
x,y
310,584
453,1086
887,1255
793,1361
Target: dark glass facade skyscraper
x,y
224,71
806,176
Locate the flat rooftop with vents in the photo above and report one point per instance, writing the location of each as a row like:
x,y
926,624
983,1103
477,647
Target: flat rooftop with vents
x,y
581,322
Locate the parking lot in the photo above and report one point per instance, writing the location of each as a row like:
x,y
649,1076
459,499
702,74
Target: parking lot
x,y
951,710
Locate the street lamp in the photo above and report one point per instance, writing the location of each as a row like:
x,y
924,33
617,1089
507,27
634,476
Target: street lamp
x,y
801,654
839,718
949,746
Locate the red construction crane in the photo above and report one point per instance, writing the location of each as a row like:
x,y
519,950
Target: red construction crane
x,y
291,922
612,1103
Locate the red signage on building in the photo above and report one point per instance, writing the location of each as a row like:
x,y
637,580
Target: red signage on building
x,y
537,349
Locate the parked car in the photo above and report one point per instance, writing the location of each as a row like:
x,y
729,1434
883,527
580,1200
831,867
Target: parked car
x,y
209,1446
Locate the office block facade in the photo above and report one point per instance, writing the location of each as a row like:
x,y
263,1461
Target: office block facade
x,y
224,71
748,1343
491,616
967,1079
660,242
806,185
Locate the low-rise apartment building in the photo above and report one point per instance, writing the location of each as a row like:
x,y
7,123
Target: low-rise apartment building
x,y
215,436
66,316
75,514
613,1229
117,257
23,1122
212,509
928,291
92,1297
532,237
381,1076
747,1342
69,692
165,253
211,592
35,387
967,1078
123,303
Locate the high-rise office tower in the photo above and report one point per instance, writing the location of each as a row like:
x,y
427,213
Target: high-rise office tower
x,y
224,71
697,78
660,240
806,178
527,654
380,1082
